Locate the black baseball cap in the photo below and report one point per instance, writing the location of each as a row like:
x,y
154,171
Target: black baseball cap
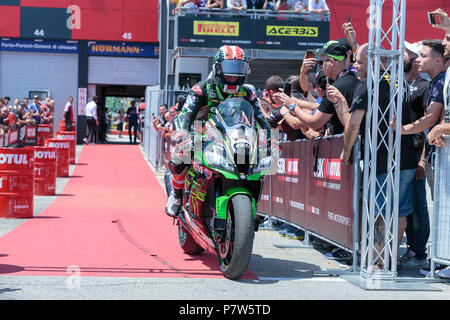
x,y
319,79
344,42
333,49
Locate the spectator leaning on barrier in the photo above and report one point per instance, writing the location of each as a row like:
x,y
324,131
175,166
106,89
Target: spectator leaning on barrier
x,y
431,61
214,4
418,223
334,56
255,4
274,118
16,104
299,5
319,7
269,5
35,107
282,5
237,5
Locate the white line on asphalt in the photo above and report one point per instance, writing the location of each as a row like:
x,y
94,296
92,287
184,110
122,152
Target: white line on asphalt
x,y
336,279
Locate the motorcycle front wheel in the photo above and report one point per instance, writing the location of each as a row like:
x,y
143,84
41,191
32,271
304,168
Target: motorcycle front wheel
x,y
235,246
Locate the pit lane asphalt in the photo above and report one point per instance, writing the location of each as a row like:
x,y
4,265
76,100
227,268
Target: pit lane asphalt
x,y
284,273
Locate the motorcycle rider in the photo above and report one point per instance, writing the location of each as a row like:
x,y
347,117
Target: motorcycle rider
x,y
230,68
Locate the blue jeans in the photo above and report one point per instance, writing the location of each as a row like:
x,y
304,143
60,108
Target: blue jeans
x,y
405,202
418,227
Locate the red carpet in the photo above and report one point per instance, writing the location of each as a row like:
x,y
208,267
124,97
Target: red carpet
x,y
109,221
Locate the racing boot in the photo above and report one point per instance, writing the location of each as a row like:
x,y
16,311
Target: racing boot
x,y
174,202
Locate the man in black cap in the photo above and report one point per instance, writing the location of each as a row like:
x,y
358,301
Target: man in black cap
x,y
334,57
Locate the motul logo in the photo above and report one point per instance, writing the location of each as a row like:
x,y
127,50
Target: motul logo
x,y
43,129
13,158
45,154
328,169
59,145
66,137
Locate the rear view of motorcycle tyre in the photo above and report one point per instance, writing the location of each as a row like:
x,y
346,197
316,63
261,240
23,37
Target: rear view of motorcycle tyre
x,y
234,255
187,242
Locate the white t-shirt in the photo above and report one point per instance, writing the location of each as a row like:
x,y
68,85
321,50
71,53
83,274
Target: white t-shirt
x,y
321,4
237,3
298,4
91,110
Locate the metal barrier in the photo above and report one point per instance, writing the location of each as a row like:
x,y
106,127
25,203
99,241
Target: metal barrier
x,y
440,247
254,14
316,194
19,136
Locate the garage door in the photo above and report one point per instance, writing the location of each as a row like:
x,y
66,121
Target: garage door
x,y
21,72
125,71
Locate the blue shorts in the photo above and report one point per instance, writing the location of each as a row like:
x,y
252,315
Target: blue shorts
x,y
404,198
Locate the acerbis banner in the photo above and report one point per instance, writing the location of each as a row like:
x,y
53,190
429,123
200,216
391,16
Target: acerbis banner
x,y
272,34
313,190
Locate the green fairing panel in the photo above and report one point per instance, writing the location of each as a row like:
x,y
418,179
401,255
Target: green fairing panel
x,y
222,201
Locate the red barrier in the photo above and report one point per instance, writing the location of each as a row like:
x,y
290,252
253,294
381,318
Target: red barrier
x,y
16,183
62,155
72,137
44,131
44,170
313,190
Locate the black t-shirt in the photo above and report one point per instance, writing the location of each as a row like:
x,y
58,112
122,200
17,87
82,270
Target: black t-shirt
x,y
419,89
360,101
346,85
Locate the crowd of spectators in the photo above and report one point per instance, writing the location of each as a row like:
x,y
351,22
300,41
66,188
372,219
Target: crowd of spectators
x,y
332,98
300,6
163,124
20,112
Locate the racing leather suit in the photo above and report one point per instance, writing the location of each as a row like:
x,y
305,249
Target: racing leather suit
x,y
203,96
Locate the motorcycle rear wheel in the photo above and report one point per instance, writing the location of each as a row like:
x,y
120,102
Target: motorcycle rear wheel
x,y
235,248
187,242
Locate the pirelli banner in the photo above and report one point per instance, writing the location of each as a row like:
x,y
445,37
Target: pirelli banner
x,y
271,34
313,190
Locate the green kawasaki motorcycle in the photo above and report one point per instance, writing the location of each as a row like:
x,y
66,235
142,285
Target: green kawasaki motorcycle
x,y
223,186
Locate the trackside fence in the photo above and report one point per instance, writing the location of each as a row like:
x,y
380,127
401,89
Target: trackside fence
x,y
440,247
314,192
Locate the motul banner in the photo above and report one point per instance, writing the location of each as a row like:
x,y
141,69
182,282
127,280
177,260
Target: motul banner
x,y
313,190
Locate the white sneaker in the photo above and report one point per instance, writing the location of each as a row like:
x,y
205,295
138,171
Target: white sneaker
x,y
444,273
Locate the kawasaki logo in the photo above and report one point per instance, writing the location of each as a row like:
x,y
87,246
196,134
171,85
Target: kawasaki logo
x,y
13,158
45,154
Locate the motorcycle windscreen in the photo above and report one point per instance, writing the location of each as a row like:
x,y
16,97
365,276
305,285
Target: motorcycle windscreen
x,y
236,112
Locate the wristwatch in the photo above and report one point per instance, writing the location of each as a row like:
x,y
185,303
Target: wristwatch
x,y
292,106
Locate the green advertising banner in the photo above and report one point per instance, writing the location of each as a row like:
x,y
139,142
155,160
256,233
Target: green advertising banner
x,y
269,34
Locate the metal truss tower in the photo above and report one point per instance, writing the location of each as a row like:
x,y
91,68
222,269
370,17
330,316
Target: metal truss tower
x,y
379,236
